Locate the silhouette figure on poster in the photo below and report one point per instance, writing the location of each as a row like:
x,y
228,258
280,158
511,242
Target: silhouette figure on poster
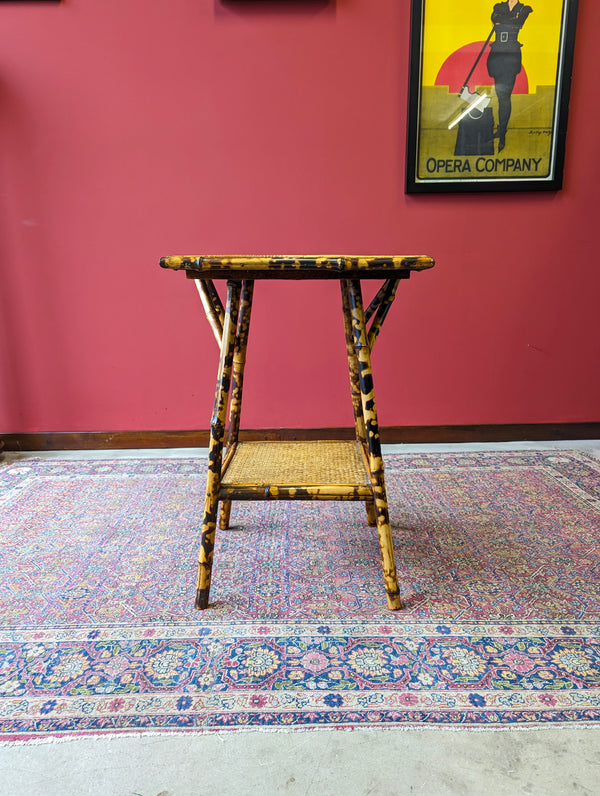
x,y
476,124
504,61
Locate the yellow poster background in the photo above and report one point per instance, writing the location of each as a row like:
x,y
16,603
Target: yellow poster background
x,y
452,24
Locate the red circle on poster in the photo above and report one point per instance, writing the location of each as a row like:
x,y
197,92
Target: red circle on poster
x,y
457,66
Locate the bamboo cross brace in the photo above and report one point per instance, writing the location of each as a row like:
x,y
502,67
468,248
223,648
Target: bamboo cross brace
x,y
385,303
213,309
377,299
216,300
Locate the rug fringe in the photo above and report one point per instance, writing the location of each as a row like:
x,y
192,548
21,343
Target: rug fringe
x,y
221,731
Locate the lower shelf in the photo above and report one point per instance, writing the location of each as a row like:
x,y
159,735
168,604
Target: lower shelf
x,y
318,470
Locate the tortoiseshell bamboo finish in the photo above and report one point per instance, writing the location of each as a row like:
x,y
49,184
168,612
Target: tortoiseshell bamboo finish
x,y
388,294
206,291
230,327
296,267
359,422
369,413
215,452
239,362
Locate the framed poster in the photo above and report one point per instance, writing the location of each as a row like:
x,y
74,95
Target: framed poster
x,y
489,94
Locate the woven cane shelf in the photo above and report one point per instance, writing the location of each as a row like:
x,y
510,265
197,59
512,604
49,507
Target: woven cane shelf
x,y
284,470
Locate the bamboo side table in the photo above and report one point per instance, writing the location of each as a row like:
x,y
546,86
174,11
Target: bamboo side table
x,y
323,470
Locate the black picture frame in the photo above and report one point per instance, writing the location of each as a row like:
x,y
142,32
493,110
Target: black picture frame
x,y
459,141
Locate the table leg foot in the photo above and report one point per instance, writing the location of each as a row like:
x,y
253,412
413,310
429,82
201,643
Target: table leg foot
x,y
386,546
201,599
225,515
371,514
204,573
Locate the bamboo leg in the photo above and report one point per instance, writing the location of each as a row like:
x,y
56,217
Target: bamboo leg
x,y
359,421
237,383
215,453
369,411
353,366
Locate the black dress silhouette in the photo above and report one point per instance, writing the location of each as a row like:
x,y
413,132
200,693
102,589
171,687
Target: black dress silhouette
x,y
504,61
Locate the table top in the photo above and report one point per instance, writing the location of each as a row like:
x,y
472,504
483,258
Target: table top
x,y
297,267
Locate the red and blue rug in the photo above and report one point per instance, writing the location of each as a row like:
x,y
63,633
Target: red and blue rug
x,y
499,565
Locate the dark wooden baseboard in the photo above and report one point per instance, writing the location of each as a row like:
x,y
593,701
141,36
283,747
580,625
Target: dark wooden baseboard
x,y
107,440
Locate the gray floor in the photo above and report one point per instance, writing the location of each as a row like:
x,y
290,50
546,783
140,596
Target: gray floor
x,y
547,761
329,762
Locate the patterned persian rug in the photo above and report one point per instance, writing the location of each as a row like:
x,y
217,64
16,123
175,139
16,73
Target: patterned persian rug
x,y
499,566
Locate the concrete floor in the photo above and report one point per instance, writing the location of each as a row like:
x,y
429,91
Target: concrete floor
x,y
379,762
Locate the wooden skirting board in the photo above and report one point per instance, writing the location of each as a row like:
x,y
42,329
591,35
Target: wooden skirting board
x,y
107,440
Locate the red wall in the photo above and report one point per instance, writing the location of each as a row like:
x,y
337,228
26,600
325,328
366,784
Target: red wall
x,y
132,129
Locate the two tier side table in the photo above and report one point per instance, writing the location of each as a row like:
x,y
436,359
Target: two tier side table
x,y
307,470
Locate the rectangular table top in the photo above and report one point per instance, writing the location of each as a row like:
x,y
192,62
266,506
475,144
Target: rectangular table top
x,y
297,267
